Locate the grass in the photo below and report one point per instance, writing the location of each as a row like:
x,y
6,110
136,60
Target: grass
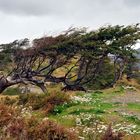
x,y
133,119
99,106
135,106
11,91
89,108
67,120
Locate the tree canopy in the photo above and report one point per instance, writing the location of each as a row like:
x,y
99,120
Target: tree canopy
x,y
79,54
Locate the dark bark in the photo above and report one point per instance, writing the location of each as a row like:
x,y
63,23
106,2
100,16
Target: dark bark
x,y
118,72
4,83
73,88
7,82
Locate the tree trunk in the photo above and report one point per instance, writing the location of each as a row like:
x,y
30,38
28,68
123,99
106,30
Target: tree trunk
x,y
73,88
4,84
7,82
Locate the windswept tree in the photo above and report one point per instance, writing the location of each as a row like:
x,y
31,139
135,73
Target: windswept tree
x,y
7,51
79,54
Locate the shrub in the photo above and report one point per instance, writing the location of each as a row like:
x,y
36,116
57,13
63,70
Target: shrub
x,y
23,99
60,108
46,102
33,129
34,100
51,131
7,113
110,135
55,99
31,125
17,129
8,100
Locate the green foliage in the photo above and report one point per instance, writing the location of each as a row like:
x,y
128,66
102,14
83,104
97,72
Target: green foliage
x,y
62,108
7,52
5,59
104,78
82,56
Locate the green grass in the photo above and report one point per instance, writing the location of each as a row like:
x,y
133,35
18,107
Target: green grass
x,y
133,119
11,91
99,105
94,111
134,106
67,121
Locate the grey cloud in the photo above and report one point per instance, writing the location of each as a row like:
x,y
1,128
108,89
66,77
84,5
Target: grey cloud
x,y
30,7
50,7
34,18
61,7
132,3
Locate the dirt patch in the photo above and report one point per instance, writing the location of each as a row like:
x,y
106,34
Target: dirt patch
x,y
128,97
128,112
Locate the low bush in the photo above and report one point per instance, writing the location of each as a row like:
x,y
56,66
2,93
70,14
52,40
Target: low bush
x,y
33,129
42,101
9,100
49,130
34,100
55,99
7,114
16,129
110,135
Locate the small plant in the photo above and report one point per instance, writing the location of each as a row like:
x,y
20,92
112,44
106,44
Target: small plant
x,y
17,129
9,101
34,100
33,129
110,135
60,108
53,100
7,113
51,131
46,102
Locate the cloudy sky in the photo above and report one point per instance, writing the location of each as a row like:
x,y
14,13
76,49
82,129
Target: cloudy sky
x,y
36,18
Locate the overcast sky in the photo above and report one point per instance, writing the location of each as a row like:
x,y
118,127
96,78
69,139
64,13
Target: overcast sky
x,y
36,18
